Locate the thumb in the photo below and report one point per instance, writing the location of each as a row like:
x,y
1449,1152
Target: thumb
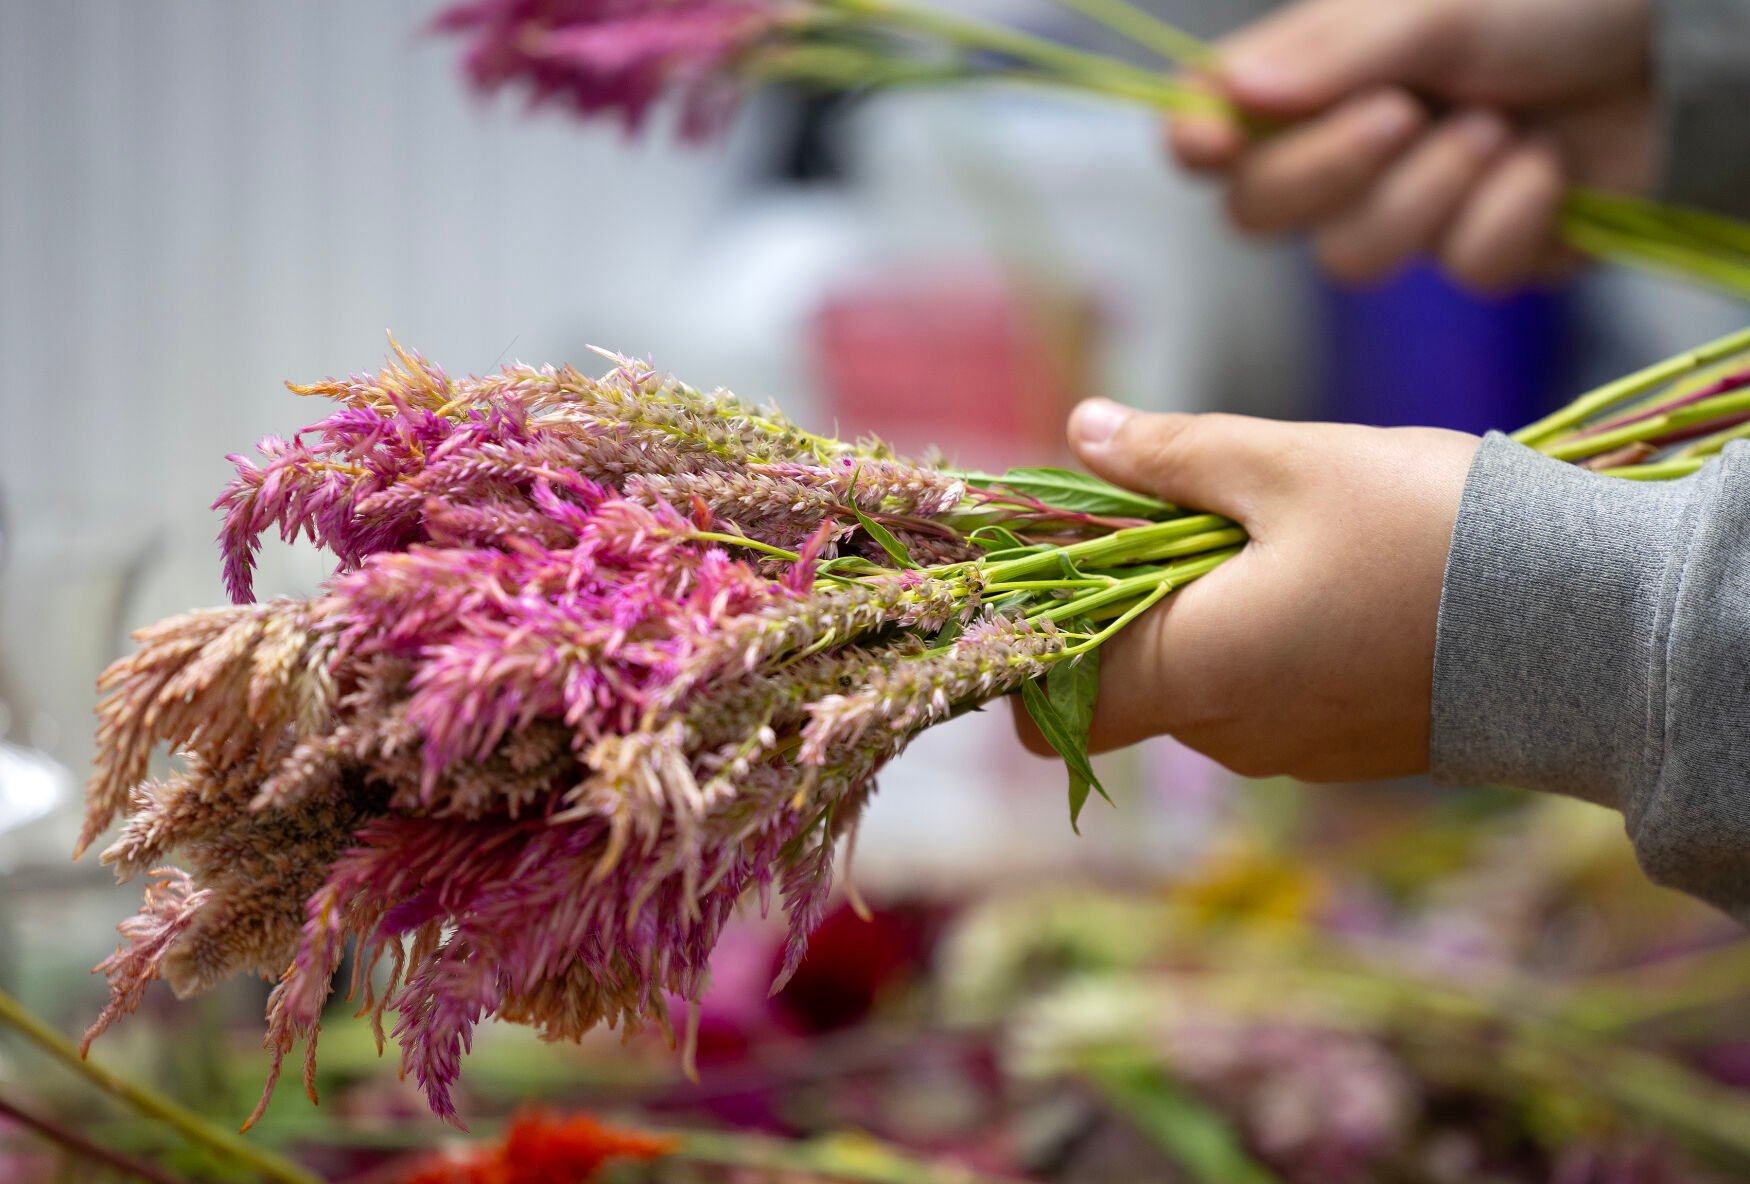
x,y
1318,52
1217,463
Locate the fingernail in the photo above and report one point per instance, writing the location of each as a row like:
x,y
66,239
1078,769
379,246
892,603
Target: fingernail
x,y
1096,421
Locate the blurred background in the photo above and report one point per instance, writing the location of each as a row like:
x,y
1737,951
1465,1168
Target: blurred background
x,y
200,200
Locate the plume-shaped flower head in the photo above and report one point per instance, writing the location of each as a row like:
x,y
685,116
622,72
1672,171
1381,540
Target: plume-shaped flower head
x,y
618,57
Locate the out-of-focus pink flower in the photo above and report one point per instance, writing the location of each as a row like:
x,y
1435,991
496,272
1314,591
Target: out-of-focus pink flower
x,y
615,57
1328,1104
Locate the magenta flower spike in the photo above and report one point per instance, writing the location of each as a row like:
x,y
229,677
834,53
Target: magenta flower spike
x,y
601,661
613,57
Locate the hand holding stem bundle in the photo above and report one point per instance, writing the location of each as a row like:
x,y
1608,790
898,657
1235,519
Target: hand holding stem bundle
x,y
1445,127
1311,652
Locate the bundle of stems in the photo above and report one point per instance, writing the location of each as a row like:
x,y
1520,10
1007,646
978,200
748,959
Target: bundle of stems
x,y
605,656
619,57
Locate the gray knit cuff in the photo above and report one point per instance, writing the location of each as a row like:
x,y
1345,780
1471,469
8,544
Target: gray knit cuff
x,y
1548,668
1701,55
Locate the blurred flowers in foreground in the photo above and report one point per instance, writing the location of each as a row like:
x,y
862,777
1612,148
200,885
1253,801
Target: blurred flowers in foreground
x,y
1502,999
1362,1041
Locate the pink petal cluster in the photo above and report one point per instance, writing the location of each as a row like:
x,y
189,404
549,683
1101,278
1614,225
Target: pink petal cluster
x,y
415,456
543,730
618,57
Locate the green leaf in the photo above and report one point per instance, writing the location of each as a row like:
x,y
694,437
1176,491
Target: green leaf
x,y
1082,493
1196,1137
1070,743
1072,686
895,549
997,538
949,633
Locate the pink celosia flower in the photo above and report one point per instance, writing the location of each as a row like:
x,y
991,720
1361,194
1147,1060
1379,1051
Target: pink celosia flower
x,y
614,56
543,731
170,907
415,456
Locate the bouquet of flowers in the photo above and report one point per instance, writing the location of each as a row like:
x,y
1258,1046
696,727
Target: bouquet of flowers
x,y
619,58
602,658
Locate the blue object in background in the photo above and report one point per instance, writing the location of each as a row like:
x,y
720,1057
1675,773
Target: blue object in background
x,y
1419,350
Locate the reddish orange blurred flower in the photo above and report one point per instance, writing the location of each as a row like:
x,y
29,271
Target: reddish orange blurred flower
x,y
543,1149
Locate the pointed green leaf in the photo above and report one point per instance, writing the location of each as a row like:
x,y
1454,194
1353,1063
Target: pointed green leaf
x,y
949,633
1082,493
895,549
1073,686
997,538
883,537
1069,743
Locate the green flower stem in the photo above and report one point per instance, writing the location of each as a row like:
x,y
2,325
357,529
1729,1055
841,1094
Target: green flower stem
x,y
1145,29
1665,397
1663,470
1673,255
1609,395
1095,70
738,540
191,1126
1706,226
1051,585
1161,591
1118,599
1170,97
1651,428
1697,228
845,67
1135,544
1714,444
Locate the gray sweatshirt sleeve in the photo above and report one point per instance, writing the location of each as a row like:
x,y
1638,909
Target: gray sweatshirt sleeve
x,y
1594,640
1701,62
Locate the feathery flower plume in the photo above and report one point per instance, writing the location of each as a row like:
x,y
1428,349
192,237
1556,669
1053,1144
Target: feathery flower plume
x,y
604,658
614,57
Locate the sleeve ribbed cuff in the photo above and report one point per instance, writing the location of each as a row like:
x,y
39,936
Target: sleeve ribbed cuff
x,y
1548,670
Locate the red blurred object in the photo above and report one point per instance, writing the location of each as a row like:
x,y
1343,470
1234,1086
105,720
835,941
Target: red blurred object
x,y
543,1149
981,363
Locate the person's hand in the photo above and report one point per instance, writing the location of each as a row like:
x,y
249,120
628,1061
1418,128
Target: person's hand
x,y
1430,127
1311,653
